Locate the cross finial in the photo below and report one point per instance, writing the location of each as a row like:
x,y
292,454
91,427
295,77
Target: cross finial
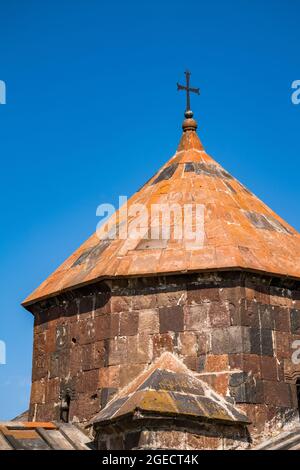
x,y
188,89
189,123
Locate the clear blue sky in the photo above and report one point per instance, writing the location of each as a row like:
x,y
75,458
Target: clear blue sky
x,y
92,112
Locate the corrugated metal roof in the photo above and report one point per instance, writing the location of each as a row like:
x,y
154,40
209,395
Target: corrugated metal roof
x,y
240,231
286,440
20,435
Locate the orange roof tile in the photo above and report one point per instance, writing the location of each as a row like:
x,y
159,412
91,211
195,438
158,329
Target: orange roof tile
x,y
240,231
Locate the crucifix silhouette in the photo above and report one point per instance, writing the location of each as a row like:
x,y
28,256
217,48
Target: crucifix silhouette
x,y
188,89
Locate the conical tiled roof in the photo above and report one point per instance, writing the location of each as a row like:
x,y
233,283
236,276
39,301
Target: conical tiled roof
x,y
240,231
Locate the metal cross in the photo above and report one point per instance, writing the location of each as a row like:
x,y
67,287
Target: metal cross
x,y
188,89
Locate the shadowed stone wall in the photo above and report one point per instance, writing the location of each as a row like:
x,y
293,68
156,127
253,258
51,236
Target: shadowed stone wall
x,y
235,329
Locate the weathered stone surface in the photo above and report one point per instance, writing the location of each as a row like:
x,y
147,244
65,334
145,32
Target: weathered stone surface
x,y
148,321
117,351
52,390
196,317
277,393
88,331
93,356
38,392
295,321
121,303
204,340
109,377
196,295
283,342
129,323
107,326
281,318
248,390
217,363
188,343
261,341
130,372
231,340
86,403
171,319
266,317
219,314
171,297
250,313
269,368
139,349
87,382
238,378
161,343
249,363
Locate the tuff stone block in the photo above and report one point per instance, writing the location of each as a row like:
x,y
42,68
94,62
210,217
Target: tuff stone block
x,y
171,298
76,359
171,319
161,343
217,363
86,304
203,343
261,341
107,326
295,321
144,302
139,349
238,379
188,343
250,313
52,390
267,342
231,340
219,314
130,372
38,391
59,364
87,382
93,356
220,383
269,368
235,309
200,295
117,351
87,404
62,336
281,318
249,363
266,317
283,344
201,362
277,393
88,331
196,317
148,321
109,377
41,364
248,390
129,323
102,303
192,363
121,303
